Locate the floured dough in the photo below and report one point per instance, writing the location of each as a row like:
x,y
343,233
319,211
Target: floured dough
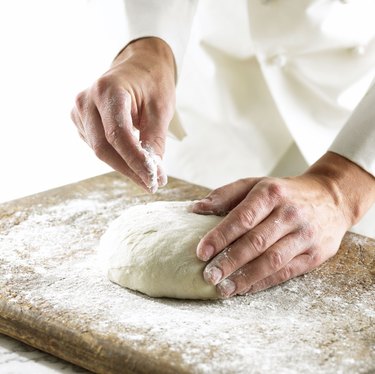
x,y
152,249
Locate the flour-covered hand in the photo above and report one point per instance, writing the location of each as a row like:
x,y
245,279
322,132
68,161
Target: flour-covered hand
x,y
137,93
278,228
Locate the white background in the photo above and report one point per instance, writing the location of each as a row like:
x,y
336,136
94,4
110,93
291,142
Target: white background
x,y
50,50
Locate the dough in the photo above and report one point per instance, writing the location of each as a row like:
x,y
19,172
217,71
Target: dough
x,y
152,249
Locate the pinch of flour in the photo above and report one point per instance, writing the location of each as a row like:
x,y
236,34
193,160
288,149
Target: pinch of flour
x,y
153,161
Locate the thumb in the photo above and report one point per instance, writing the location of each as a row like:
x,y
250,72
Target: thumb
x,y
153,126
224,199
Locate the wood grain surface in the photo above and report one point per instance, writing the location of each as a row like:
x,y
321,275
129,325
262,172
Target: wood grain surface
x,y
55,297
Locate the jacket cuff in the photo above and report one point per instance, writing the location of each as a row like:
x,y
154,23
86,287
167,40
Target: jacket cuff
x,y
169,20
356,141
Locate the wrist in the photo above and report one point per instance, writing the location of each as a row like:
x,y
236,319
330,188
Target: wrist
x,y
148,47
350,186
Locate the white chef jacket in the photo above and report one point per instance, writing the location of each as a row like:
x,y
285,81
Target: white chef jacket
x,y
265,87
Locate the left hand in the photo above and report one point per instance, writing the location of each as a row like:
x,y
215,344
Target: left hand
x,y
279,228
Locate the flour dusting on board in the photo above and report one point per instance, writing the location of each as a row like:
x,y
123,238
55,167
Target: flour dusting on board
x,y
314,324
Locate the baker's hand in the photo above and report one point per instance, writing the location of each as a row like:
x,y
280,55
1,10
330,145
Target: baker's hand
x,y
137,93
279,228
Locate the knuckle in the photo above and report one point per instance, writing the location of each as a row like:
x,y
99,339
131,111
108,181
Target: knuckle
x,y
274,189
275,260
216,194
218,238
285,273
227,262
111,134
291,214
102,85
256,241
245,217
100,149
80,101
307,232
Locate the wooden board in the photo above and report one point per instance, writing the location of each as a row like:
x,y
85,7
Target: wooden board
x,y
55,297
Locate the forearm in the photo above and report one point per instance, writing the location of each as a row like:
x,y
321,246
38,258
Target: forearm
x,y
351,187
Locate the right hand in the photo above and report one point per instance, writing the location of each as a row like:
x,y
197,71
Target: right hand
x,y
137,93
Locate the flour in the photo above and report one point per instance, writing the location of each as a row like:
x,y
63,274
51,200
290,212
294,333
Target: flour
x,y
152,162
121,114
314,324
155,167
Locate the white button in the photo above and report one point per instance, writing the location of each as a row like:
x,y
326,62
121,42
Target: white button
x,y
358,50
279,60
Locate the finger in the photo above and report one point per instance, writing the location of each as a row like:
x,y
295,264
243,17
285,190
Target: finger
x,y
77,121
257,205
158,177
153,126
224,199
75,117
79,128
297,266
95,137
82,136
247,248
79,114
115,113
162,175
269,263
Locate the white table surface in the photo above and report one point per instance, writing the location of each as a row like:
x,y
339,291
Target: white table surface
x,y
17,358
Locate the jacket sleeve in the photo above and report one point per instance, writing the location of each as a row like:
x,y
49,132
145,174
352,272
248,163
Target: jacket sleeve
x,y
169,20
356,141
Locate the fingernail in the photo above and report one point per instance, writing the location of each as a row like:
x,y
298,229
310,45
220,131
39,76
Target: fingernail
x,y
213,275
201,210
163,181
206,252
226,288
199,204
202,206
153,188
206,200
162,178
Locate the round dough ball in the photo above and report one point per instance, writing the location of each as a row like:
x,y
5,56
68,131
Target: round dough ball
x,y
152,249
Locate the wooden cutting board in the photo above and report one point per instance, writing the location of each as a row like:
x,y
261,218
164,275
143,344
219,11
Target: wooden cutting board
x,y
55,297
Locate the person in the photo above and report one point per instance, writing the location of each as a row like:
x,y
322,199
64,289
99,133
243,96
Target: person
x,y
269,94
